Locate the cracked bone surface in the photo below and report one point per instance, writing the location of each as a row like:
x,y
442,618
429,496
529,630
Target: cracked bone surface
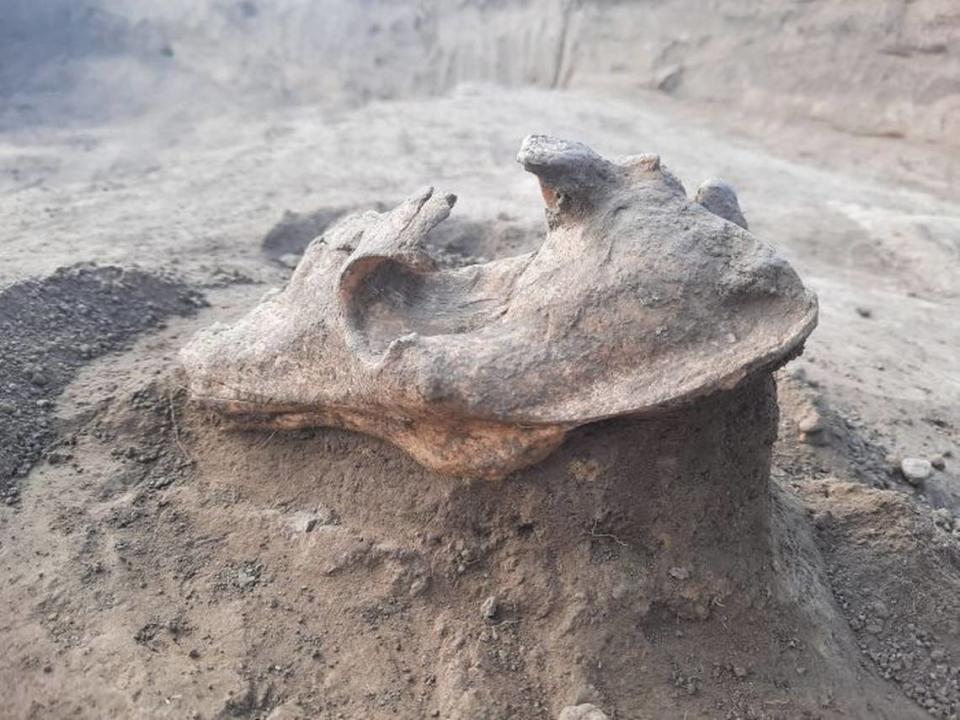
x,y
640,301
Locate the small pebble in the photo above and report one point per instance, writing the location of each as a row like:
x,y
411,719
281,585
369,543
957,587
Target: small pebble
x,y
679,573
818,439
489,608
289,260
304,522
938,462
915,470
811,422
582,712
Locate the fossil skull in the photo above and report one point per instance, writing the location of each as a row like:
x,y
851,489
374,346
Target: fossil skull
x,y
638,301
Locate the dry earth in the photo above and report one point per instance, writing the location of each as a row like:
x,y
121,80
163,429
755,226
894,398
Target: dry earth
x,y
152,565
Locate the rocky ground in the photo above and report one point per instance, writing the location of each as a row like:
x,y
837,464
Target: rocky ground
x,y
154,565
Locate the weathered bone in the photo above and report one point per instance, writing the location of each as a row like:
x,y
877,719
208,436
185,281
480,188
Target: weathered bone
x,y
638,301
719,198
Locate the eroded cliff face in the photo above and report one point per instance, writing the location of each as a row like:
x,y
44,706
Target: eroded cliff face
x,y
873,67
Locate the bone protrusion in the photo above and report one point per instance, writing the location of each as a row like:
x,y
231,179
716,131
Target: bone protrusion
x,y
399,237
649,162
550,197
570,169
719,197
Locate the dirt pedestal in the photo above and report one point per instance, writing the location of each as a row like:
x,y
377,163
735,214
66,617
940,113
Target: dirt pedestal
x,y
675,506
555,586
633,528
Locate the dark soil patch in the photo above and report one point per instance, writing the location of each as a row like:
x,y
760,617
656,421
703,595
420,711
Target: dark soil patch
x,y
49,328
295,230
454,242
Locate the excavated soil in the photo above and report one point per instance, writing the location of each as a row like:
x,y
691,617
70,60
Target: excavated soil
x,y
159,566
153,565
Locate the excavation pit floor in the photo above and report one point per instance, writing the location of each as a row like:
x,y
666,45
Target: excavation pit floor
x,y
157,566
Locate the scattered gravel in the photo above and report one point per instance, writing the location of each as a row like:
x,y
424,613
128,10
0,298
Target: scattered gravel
x,y
49,328
942,517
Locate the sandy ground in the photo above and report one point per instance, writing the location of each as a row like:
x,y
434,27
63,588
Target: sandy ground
x,y
153,566
199,195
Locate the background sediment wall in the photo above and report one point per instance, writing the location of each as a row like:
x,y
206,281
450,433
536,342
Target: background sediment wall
x,y
875,67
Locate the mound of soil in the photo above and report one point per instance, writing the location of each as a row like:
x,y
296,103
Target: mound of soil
x,y
894,568
173,569
50,327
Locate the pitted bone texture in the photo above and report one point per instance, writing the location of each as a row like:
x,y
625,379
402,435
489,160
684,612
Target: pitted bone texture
x,y
638,301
